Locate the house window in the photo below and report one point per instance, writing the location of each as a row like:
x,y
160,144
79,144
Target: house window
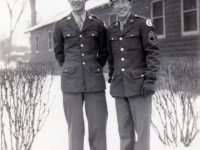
x,y
50,40
36,43
112,18
158,17
190,17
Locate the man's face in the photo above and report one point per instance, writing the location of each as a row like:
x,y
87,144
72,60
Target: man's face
x,y
77,5
122,8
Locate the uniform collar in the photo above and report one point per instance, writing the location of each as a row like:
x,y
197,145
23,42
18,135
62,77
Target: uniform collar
x,y
83,16
124,21
87,23
130,23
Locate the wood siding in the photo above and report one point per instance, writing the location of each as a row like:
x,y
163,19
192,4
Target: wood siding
x,y
173,43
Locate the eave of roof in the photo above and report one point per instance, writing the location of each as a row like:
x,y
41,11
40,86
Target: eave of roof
x,y
91,4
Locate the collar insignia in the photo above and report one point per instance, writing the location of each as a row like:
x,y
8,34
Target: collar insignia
x,y
131,21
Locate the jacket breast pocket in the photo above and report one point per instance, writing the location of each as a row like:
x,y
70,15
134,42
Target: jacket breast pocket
x,y
91,39
133,40
69,34
114,39
69,38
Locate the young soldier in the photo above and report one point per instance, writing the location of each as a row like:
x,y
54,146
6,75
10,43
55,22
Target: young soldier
x,y
80,49
133,64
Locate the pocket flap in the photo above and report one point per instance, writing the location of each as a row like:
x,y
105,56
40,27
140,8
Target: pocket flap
x,y
91,34
69,34
96,68
68,68
136,74
132,34
113,37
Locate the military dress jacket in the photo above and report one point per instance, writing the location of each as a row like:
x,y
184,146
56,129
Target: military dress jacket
x,y
133,56
81,54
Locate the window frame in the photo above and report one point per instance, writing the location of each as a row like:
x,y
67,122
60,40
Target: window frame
x,y
50,31
37,43
163,36
111,15
189,33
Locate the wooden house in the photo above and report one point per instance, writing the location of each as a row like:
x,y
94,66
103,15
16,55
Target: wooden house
x,y
176,22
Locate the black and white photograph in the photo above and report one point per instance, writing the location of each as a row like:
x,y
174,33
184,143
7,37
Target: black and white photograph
x,y
99,74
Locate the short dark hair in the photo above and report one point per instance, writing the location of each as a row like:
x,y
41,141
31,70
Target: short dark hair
x,y
112,1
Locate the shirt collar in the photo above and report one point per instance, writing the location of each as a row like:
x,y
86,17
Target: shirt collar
x,y
83,16
124,22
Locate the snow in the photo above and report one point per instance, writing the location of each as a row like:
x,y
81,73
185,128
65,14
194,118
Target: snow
x,y
54,135
89,5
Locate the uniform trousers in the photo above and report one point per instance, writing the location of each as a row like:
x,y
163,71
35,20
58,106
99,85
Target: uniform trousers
x,y
134,116
96,112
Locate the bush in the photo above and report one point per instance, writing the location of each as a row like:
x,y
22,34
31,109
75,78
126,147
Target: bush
x,y
175,113
24,103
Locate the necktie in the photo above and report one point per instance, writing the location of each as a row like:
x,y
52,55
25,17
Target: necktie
x,y
122,26
80,22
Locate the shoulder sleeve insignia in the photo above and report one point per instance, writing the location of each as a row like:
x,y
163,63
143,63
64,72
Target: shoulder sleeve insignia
x,y
151,36
148,22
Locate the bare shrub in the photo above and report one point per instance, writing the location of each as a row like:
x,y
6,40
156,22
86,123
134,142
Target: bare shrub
x,y
25,103
175,113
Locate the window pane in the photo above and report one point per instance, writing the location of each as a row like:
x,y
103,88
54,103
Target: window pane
x,y
113,18
50,45
190,21
50,33
157,9
36,38
159,26
189,4
37,46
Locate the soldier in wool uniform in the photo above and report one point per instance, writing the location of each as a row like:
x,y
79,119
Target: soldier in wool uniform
x,y
80,49
133,65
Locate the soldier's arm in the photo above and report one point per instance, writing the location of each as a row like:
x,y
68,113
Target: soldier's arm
x,y
110,57
102,53
58,44
150,44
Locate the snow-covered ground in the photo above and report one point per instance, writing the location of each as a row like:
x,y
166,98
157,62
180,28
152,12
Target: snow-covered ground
x,y
54,135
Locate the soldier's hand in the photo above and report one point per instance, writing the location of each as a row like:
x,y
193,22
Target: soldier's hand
x,y
109,80
147,92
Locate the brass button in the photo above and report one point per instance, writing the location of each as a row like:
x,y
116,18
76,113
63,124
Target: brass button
x,y
80,36
142,75
122,49
81,45
122,69
122,59
83,54
120,38
83,63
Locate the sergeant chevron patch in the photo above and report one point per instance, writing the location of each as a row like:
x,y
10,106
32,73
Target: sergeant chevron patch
x,y
151,36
